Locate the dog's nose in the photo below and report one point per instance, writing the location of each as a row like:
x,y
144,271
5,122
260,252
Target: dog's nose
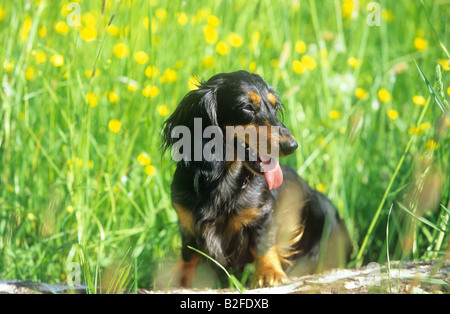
x,y
288,147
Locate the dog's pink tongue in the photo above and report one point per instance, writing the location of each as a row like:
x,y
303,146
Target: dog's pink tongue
x,y
273,173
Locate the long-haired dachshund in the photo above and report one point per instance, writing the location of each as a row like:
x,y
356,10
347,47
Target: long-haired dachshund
x,y
246,208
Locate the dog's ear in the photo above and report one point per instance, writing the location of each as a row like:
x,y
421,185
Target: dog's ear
x,y
199,103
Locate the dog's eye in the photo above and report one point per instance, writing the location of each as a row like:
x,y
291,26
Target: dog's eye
x,y
249,108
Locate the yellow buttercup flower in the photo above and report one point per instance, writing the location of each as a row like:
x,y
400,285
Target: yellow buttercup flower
x,y
361,93
392,114
163,110
299,67
121,50
151,71
182,19
431,144
42,31
30,74
335,114
208,62
150,91
210,33
193,83
384,95
213,20
113,30
57,60
113,97
114,125
300,46
144,159
169,76
61,28
92,99
235,40
141,57
252,66
2,13
309,62
420,43
419,100
445,64
69,209
8,66
353,62
150,170
222,48
320,187
40,57
25,29
89,33
161,14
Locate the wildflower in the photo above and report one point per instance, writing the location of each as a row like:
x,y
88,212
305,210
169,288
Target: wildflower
x,y
29,74
320,187
92,99
448,90
163,110
69,209
361,93
235,40
150,91
300,46
193,83
143,159
419,100
392,114
150,170
89,33
424,126
299,67
210,33
252,66
91,73
353,62
384,95
113,30
57,60
2,13
121,50
25,29
114,125
40,57
113,97
141,57
182,19
213,21
387,15
309,62
208,62
335,114
42,31
8,66
151,71
161,14
169,76
222,48
445,64
61,28
431,144
420,43
132,86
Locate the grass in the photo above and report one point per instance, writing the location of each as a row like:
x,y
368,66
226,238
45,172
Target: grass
x,y
82,178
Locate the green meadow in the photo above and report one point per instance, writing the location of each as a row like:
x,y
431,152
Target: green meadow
x,y
87,85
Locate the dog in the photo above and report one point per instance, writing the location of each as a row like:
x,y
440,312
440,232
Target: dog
x,y
238,210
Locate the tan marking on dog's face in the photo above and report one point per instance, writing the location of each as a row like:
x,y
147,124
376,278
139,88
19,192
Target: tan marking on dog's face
x,y
255,98
272,98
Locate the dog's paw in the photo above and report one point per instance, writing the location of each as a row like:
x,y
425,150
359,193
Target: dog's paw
x,y
268,277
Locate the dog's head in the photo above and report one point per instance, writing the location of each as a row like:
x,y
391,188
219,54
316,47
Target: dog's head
x,y
241,110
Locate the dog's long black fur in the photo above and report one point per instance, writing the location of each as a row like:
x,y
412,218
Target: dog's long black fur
x,y
226,209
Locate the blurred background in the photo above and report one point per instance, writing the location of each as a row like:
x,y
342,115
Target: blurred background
x,y
86,86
